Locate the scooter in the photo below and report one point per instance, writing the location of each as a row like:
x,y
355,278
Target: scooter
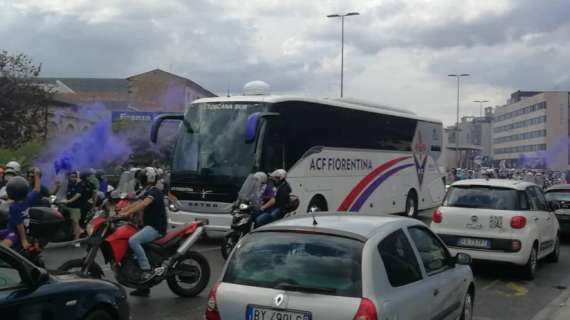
x,y
243,222
186,272
41,225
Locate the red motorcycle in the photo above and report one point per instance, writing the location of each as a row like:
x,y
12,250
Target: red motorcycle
x,y
186,272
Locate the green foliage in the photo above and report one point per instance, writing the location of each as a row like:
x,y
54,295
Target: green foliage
x,y
23,102
25,154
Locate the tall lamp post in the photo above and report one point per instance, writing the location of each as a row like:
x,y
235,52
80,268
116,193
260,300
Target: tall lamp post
x,y
458,76
480,106
341,16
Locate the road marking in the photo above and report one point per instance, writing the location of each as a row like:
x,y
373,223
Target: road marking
x,y
518,289
490,285
512,289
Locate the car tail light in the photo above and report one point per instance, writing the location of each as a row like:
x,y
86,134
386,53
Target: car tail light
x,y
518,222
366,310
212,312
437,217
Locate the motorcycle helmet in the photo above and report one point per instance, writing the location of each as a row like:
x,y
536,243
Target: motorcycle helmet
x,y
261,177
14,166
148,175
17,188
279,174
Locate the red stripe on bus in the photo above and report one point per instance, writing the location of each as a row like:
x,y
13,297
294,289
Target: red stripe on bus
x,y
365,181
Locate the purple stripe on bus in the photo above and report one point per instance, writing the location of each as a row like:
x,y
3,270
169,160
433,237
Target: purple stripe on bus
x,y
374,185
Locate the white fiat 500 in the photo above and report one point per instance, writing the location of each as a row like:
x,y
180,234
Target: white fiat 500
x,y
499,220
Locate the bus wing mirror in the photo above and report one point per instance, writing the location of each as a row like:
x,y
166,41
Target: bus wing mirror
x,y
253,123
158,121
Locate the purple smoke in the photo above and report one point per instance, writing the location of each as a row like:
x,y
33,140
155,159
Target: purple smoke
x,y
97,147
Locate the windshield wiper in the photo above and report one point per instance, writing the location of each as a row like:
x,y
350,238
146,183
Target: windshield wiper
x,y
299,288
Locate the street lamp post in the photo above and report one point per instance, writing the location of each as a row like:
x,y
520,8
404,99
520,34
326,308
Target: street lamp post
x,y
480,106
458,76
341,16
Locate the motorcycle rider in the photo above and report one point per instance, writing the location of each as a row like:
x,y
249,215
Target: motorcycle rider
x,y
154,222
12,170
44,191
282,193
276,207
18,191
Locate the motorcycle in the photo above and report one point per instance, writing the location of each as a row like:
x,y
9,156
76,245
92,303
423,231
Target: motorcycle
x,y
186,272
242,215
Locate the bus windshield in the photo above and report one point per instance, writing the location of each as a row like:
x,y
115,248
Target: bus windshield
x,y
213,141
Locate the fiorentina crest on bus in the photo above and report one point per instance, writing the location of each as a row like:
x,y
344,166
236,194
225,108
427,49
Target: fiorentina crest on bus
x,y
420,157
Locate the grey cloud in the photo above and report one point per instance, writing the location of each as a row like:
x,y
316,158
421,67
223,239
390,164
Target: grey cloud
x,y
527,17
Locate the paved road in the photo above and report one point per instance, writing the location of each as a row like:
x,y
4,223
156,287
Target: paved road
x,y
500,293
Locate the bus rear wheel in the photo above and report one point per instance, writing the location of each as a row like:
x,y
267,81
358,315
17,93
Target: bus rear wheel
x,y
411,205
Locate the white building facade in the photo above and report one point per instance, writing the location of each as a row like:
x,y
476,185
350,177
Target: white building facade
x,y
531,131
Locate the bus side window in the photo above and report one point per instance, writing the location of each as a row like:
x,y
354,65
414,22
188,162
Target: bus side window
x,y
272,146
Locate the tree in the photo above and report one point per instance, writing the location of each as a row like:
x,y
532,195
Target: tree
x,y
23,101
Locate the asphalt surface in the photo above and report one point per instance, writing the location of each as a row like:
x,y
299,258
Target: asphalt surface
x,y
500,294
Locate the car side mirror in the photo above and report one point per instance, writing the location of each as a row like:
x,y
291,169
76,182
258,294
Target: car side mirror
x,y
38,276
463,259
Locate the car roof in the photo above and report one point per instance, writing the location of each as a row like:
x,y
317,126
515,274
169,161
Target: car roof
x,y
559,187
500,183
357,226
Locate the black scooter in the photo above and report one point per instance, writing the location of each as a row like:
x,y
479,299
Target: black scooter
x,y
243,222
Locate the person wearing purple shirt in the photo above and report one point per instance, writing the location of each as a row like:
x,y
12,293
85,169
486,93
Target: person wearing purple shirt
x,y
17,189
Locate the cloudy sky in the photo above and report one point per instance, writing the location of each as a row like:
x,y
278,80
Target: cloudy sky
x,y
397,52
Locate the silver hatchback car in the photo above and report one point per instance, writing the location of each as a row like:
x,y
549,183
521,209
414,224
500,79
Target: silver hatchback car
x,y
341,266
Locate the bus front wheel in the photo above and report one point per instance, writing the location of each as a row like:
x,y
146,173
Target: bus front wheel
x,y
317,204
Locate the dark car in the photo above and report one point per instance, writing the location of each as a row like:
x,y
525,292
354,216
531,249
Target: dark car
x,y
30,292
560,194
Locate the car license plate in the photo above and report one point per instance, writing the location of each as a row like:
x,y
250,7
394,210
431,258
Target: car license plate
x,y
260,313
476,243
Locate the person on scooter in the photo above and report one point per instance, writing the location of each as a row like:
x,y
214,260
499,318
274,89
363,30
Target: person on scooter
x,y
12,170
154,224
18,191
282,193
265,199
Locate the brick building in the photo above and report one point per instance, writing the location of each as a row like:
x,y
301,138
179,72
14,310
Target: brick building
x,y
152,91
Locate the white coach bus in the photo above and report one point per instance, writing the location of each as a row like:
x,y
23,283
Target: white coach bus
x,y
340,155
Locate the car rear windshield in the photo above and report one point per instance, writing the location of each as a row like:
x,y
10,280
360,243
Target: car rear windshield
x,y
306,262
484,197
558,195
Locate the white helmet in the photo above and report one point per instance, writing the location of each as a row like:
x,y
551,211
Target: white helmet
x,y
14,166
150,174
279,174
261,177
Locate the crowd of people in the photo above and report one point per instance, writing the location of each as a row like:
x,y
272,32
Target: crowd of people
x,y
543,178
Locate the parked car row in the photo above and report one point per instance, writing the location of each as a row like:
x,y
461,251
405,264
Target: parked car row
x,y
335,266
